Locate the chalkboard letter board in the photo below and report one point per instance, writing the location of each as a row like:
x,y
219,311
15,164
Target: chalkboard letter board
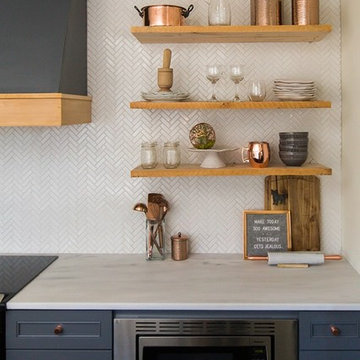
x,y
266,231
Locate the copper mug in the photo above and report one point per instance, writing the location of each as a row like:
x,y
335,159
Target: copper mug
x,y
257,154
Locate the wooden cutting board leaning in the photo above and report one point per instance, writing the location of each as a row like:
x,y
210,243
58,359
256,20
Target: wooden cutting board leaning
x,y
300,195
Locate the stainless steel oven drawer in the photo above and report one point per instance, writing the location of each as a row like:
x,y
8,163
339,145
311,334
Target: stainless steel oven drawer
x,y
235,345
168,337
58,329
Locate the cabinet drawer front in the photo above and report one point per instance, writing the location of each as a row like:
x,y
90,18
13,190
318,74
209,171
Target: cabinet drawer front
x,y
58,329
330,330
329,355
58,355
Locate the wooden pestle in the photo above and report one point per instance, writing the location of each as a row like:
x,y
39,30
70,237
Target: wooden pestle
x,y
166,59
165,74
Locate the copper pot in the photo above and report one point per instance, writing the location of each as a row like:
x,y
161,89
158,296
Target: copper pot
x,y
164,15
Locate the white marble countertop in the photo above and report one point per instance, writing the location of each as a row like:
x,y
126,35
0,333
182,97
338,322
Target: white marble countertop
x,y
203,282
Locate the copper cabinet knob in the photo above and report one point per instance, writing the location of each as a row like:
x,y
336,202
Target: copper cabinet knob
x,y
335,330
58,329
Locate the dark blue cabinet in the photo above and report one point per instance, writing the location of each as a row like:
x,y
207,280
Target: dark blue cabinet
x,y
88,335
330,335
327,330
58,335
58,355
329,355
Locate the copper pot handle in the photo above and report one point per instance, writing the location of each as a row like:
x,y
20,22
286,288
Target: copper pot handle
x,y
186,13
335,330
58,329
139,11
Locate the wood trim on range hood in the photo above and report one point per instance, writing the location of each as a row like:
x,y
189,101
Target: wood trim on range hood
x,y
44,109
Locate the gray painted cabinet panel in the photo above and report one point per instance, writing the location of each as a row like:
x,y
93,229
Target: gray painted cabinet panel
x,y
43,46
81,330
58,355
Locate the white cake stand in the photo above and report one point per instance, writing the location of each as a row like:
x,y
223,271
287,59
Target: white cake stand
x,y
212,159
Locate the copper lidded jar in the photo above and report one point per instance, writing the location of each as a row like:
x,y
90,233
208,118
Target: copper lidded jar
x,y
266,12
179,247
305,12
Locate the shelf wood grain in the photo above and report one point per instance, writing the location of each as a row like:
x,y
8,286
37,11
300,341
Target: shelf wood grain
x,y
44,109
230,34
211,105
187,170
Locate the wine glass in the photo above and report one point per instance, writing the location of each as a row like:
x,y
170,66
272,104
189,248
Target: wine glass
x,y
236,75
213,74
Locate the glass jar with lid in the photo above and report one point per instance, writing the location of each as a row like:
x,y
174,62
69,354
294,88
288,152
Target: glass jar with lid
x,y
148,155
171,155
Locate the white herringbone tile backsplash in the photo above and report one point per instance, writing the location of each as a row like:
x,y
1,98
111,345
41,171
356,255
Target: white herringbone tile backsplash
x,y
69,189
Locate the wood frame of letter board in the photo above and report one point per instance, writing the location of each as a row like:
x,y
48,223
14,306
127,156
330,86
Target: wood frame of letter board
x,y
266,212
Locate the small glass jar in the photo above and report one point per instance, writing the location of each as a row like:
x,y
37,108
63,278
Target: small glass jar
x,y
148,155
171,155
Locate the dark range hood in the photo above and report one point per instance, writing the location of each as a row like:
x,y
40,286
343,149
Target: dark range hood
x,y
43,51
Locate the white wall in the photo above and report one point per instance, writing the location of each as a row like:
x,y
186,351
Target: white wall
x,y
69,189
351,126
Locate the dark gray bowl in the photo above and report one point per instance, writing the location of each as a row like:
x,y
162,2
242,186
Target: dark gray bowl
x,y
298,135
293,148
292,154
293,162
294,142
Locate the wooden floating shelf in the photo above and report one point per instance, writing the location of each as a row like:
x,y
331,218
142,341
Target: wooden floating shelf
x,y
44,109
231,170
210,105
230,34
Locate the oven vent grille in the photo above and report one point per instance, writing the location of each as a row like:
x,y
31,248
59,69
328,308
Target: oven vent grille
x,y
205,327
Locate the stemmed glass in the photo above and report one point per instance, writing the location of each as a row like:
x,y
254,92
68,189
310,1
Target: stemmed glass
x,y
213,74
236,75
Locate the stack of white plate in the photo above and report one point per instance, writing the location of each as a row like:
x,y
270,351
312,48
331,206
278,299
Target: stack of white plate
x,y
165,96
294,90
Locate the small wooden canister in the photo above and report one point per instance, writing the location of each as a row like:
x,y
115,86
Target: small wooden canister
x,y
305,12
179,247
